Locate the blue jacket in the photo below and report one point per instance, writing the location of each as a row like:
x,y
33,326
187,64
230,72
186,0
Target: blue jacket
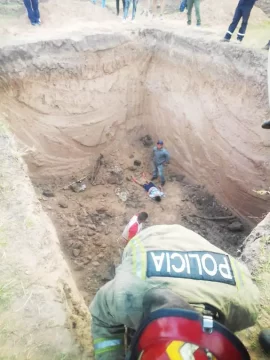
x,y
160,156
248,3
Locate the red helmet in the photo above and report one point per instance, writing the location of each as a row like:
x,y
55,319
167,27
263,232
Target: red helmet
x,y
185,335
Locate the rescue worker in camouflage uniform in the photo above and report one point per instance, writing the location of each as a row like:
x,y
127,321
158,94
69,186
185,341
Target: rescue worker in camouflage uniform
x,y
175,289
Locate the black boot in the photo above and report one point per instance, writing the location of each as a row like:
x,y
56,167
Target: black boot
x,y
266,124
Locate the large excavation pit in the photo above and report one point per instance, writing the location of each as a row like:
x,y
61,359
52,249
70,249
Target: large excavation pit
x,y
68,101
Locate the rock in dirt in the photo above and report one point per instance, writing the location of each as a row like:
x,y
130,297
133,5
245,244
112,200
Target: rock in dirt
x,y
92,227
95,263
116,176
76,252
48,193
236,226
137,162
71,222
78,187
147,141
63,204
132,168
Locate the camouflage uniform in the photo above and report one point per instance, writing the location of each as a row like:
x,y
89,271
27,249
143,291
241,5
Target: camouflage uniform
x,y
172,257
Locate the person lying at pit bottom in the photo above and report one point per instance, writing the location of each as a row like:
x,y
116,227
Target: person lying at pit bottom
x,y
153,192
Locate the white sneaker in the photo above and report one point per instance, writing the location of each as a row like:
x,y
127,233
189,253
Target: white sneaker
x,y
133,21
124,21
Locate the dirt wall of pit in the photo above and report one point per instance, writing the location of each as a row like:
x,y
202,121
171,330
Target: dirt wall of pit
x,y
67,100
42,314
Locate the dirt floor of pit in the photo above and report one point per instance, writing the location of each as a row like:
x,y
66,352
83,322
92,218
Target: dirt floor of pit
x,y
90,223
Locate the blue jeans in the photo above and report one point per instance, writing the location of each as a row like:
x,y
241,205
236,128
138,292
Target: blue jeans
x,y
32,10
134,8
103,3
159,171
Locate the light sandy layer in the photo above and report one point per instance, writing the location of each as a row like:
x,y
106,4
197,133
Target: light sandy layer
x,y
42,315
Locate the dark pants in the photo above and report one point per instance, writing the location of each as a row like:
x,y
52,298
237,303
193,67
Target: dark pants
x,y
242,11
32,10
134,8
117,6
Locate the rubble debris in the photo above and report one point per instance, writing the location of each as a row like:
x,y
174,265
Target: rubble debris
x,y
76,252
122,194
137,162
71,222
48,193
236,226
116,176
78,187
97,166
147,141
63,204
132,168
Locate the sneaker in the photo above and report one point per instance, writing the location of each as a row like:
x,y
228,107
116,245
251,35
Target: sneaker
x,y
133,21
239,41
198,24
154,178
266,124
189,22
163,183
34,23
225,40
124,21
39,22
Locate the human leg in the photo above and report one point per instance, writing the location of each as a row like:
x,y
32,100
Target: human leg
x,y
35,10
161,174
30,12
127,4
197,10
236,18
243,28
154,7
189,10
155,172
162,7
134,8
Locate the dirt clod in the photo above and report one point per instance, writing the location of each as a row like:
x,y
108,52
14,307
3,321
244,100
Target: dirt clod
x,y
48,193
147,141
137,162
236,226
76,252
63,204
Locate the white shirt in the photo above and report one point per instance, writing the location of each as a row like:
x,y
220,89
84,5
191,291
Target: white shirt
x,y
153,192
132,228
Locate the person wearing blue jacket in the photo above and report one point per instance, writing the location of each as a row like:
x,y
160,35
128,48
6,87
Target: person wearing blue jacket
x,y
160,158
243,11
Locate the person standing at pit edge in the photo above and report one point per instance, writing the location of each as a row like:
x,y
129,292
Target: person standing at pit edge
x,y
160,158
190,4
243,11
32,11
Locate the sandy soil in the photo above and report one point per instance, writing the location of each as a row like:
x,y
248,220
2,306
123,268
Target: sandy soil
x,y
90,223
83,84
